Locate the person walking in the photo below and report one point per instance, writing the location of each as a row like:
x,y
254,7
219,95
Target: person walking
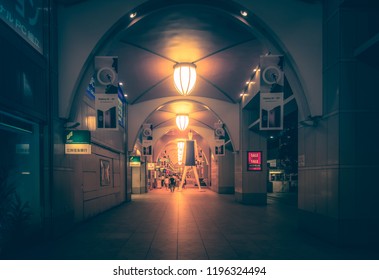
x,y
172,183
166,182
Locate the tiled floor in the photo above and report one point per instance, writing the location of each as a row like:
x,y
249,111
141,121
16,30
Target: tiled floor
x,y
193,224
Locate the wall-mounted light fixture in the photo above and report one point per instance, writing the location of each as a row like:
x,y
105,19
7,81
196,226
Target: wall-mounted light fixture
x,y
184,77
182,122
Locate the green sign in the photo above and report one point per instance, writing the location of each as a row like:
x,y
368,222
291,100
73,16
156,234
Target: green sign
x,y
78,137
135,161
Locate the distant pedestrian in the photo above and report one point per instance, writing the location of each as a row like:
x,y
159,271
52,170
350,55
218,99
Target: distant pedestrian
x,y
172,184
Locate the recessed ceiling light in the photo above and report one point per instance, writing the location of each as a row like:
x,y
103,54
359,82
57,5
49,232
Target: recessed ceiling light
x,y
244,13
120,83
125,95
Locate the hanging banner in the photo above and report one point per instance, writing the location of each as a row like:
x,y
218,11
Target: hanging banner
x,y
106,110
190,153
219,147
106,68
106,92
272,75
271,92
147,147
271,111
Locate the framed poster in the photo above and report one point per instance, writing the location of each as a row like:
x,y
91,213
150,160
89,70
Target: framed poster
x,y
254,161
105,172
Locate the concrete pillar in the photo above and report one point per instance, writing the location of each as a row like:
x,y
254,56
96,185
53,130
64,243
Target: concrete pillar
x,y
250,186
337,188
226,173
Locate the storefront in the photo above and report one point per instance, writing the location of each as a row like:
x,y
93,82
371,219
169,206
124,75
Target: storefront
x,y
24,119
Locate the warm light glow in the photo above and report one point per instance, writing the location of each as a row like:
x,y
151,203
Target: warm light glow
x,y
91,123
184,77
182,122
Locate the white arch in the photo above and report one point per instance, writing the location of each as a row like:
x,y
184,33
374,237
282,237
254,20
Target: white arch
x,y
302,45
227,112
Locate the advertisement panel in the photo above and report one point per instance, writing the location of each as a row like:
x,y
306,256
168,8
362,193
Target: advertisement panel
x,y
254,161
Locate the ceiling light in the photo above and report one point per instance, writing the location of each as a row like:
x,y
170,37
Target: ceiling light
x,y
133,15
182,122
244,13
184,77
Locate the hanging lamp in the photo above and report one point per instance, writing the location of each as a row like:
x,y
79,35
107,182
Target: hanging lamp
x,y
182,122
184,77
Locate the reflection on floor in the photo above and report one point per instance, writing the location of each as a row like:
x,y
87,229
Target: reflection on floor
x,y
193,224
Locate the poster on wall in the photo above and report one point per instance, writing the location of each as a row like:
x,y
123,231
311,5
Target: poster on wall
x,y
271,111
105,172
25,17
254,161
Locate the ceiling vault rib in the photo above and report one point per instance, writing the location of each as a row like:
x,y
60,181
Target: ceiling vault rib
x,y
203,123
150,51
219,89
150,88
223,49
161,123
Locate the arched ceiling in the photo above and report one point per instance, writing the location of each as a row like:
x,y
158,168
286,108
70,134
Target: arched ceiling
x,y
224,50
213,36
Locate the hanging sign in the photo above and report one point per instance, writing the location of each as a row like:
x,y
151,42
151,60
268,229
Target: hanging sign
x,y
254,161
147,147
106,108
272,75
135,161
271,92
106,92
151,166
78,142
271,111
219,147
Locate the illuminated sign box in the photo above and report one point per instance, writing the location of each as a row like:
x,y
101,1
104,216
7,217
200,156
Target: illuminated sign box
x,y
151,166
135,161
78,142
254,161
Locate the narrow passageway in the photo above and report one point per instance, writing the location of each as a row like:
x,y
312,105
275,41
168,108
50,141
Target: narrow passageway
x,y
192,224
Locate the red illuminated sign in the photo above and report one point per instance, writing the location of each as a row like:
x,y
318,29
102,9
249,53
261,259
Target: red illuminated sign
x,y
254,161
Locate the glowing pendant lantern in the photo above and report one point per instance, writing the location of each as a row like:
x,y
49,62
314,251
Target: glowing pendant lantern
x,y
182,122
184,77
